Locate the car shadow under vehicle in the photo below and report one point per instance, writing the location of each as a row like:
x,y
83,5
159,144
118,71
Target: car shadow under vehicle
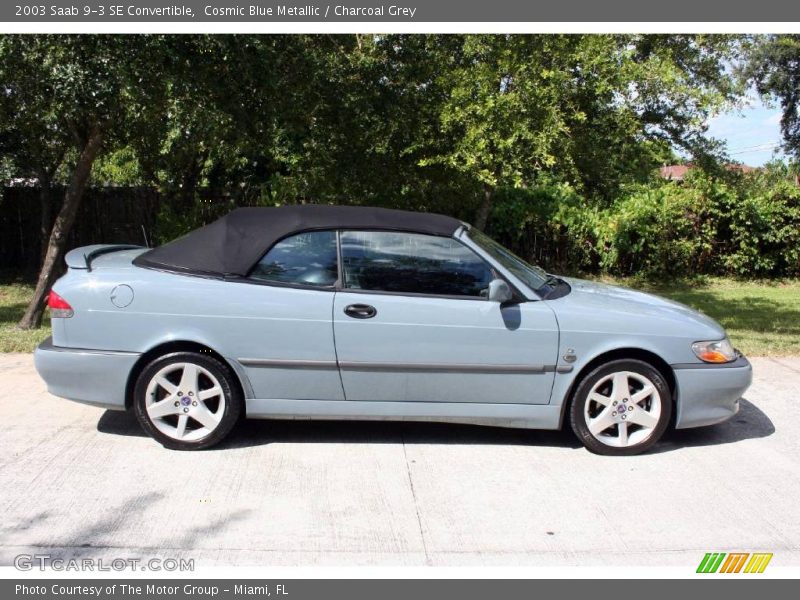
x,y
750,423
258,432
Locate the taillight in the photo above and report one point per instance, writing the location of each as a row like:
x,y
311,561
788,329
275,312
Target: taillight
x,y
59,308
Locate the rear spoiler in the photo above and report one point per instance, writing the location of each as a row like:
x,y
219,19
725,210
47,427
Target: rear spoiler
x,y
81,258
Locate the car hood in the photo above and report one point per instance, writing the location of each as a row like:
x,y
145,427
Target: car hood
x,y
639,309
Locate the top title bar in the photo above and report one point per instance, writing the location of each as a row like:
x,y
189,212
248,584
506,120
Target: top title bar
x,y
409,11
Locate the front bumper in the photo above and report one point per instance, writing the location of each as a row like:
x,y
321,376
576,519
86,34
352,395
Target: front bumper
x,y
709,394
96,377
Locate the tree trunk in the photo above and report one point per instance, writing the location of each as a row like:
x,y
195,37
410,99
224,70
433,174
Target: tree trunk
x,y
46,175
190,179
46,215
61,228
484,209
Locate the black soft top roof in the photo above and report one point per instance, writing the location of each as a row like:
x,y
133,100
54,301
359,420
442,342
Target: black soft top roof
x,y
233,244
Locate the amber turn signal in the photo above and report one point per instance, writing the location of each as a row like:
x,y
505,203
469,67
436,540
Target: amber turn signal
x,y
719,351
713,357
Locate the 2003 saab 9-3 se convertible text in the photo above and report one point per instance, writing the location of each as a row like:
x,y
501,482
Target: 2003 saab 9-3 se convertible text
x,y
331,312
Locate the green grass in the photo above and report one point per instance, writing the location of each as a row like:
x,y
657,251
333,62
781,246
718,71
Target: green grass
x,y
762,317
13,301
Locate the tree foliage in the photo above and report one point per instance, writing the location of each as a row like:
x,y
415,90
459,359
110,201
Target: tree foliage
x,y
774,67
437,122
461,124
64,99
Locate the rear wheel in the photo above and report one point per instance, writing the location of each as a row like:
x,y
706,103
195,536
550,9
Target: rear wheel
x,y
621,408
187,401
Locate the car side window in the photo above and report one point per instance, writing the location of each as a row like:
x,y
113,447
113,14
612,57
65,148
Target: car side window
x,y
306,258
412,263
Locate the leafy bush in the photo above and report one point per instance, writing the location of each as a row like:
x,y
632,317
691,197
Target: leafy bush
x,y
762,229
548,224
744,225
658,229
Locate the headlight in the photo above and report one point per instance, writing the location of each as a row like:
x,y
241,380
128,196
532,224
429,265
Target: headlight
x,y
720,351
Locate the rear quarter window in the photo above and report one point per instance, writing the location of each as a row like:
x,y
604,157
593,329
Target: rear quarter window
x,y
305,259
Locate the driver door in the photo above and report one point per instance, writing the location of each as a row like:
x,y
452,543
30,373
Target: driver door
x,y
412,324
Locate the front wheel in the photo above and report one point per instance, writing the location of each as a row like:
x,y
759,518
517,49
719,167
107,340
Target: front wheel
x,y
621,408
187,401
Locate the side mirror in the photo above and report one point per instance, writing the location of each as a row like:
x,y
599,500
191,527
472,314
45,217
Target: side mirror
x,y
499,291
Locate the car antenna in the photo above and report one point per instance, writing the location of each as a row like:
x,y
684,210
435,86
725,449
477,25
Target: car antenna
x,y
144,234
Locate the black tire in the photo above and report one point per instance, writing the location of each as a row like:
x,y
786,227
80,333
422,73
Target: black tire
x,y
581,396
230,413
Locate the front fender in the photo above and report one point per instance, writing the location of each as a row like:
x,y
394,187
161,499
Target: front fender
x,y
611,348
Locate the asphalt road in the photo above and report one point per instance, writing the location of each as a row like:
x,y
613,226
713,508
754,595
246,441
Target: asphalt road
x,y
77,481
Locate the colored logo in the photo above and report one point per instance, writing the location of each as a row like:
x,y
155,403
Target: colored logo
x,y
734,562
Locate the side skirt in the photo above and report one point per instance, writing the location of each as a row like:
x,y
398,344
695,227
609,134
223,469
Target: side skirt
x,y
527,416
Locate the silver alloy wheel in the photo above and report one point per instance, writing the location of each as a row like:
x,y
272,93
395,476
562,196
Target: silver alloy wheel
x,y
185,401
623,409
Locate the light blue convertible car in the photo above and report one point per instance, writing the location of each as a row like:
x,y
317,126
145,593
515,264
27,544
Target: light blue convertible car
x,y
332,312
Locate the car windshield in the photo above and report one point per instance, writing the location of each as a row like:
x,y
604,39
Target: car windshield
x,y
532,276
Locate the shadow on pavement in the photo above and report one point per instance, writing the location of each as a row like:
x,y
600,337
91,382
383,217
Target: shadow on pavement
x,y
100,534
750,423
258,432
118,422
31,522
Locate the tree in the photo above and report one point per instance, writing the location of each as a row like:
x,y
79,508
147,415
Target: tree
x,y
362,110
237,111
37,145
635,98
71,98
774,68
500,113
585,109
426,122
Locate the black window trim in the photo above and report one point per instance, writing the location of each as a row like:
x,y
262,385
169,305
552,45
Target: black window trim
x,y
339,267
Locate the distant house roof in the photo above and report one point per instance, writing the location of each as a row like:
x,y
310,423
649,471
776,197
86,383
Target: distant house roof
x,y
679,172
742,168
674,172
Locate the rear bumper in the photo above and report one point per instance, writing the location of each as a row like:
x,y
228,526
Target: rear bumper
x,y
709,394
96,377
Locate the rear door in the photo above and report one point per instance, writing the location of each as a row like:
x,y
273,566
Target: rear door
x,y
412,324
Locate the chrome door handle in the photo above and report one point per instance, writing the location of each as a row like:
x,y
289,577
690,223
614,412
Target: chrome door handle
x,y
360,311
